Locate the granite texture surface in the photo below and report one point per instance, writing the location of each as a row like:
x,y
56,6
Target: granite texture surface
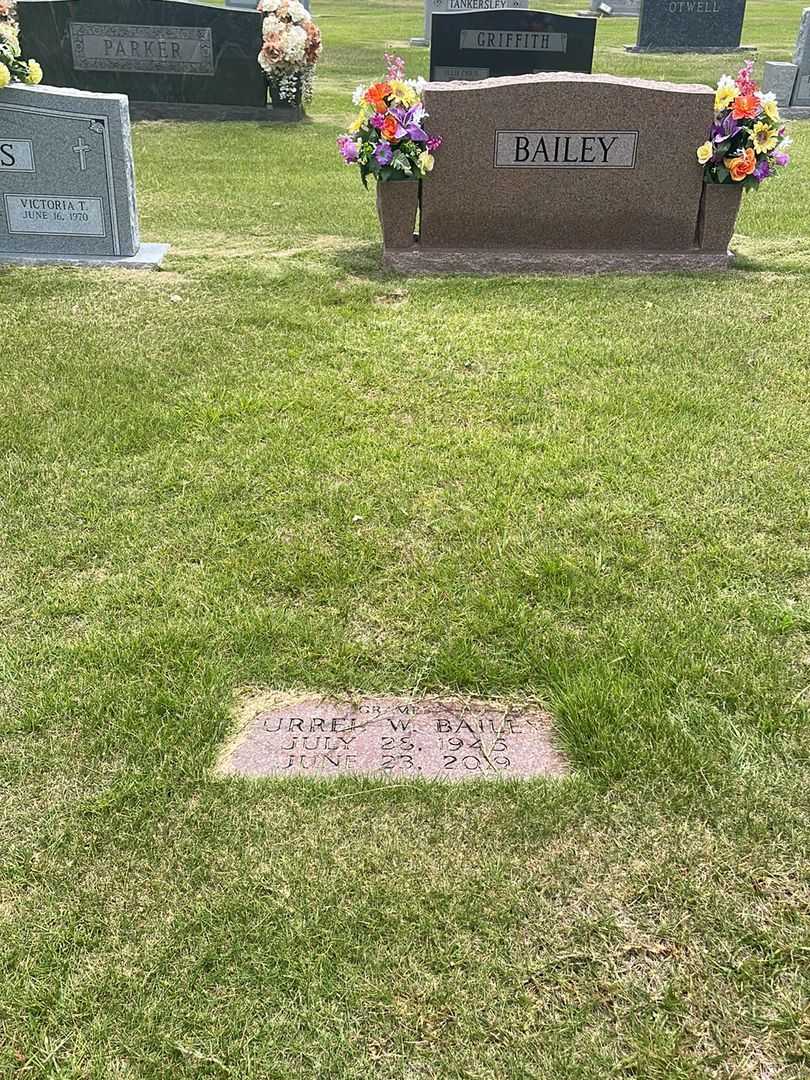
x,y
488,44
487,262
588,167
780,78
67,178
397,737
456,7
690,25
147,257
154,51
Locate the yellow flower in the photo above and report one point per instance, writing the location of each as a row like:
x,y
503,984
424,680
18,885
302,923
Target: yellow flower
x,y
403,92
425,161
705,152
763,137
770,107
34,75
357,123
5,76
726,92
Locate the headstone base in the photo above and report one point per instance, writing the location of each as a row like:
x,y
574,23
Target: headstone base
x,y
689,49
173,110
420,42
147,257
605,15
571,263
795,112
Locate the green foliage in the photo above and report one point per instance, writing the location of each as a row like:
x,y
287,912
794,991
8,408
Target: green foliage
x,y
275,464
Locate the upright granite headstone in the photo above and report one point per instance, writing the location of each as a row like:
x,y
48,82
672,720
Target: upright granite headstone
x,y
791,82
709,26
67,180
484,44
565,172
454,7
174,59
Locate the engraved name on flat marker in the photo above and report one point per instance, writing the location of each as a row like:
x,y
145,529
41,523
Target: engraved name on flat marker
x,y
406,738
566,149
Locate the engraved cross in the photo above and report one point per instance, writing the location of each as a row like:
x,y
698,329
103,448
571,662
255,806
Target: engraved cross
x,y
82,150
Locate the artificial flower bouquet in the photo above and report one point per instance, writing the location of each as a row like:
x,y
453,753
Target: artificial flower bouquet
x,y
12,66
747,141
387,138
291,45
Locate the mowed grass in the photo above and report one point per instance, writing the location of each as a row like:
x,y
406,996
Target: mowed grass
x,y
276,465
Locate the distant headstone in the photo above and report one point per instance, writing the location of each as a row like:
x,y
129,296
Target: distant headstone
x,y
791,82
709,26
67,180
566,173
487,44
174,59
410,739
455,7
627,8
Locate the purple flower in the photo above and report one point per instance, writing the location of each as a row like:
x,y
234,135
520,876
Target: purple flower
x,y
383,153
410,122
377,120
434,142
348,149
763,169
781,158
725,129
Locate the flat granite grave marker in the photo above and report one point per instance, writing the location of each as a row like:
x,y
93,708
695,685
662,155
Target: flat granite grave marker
x,y
426,738
479,45
67,180
174,59
562,172
791,82
456,7
707,26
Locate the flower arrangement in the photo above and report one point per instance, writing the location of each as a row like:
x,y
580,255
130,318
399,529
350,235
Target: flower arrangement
x,y
291,45
747,141
387,138
12,66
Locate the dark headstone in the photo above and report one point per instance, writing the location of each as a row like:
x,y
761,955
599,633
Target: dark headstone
x,y
690,26
172,58
486,44
413,739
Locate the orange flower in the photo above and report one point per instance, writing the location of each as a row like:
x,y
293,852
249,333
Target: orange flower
x,y
389,128
745,107
740,167
376,94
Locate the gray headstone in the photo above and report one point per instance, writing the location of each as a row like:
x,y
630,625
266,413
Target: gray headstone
x,y
459,7
801,58
173,59
690,26
780,78
67,179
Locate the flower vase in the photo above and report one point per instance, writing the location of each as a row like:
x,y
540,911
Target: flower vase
x,y
397,204
719,206
286,108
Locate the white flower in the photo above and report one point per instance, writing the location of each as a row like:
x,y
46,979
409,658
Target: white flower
x,y
269,5
357,96
295,44
785,143
297,12
726,83
271,25
767,99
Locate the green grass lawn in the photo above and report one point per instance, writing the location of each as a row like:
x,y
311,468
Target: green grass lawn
x,y
275,465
